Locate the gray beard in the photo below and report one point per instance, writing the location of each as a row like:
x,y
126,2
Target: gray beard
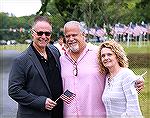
x,y
74,48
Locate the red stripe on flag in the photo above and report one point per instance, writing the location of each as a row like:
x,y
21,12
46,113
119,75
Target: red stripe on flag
x,y
67,96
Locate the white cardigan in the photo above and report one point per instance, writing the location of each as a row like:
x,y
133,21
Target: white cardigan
x,y
120,96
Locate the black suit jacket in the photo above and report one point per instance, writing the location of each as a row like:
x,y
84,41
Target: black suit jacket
x,y
28,85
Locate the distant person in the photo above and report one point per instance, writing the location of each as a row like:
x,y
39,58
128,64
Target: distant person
x,y
80,74
120,96
35,81
61,44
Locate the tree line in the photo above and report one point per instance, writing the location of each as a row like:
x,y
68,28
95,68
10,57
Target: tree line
x,y
94,13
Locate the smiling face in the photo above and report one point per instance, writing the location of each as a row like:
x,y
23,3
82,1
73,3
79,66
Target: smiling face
x,y
108,58
41,34
111,54
74,37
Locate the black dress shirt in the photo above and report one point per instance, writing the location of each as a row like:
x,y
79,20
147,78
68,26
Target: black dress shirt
x,y
53,77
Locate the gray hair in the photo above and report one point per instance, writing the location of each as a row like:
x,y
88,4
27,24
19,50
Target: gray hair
x,y
82,29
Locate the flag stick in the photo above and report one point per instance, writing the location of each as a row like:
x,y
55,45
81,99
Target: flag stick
x,y
57,99
144,73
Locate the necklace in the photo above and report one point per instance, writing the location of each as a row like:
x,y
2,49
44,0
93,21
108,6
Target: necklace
x,y
109,81
112,75
43,54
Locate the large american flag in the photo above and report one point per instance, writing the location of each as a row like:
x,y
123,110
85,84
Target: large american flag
x,y
67,96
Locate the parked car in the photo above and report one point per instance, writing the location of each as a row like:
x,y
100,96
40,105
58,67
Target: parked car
x,y
3,42
11,42
28,41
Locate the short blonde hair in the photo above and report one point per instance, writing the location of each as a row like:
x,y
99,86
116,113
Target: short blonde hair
x,y
117,49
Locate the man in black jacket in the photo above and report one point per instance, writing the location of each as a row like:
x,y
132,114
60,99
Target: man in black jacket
x,y
35,81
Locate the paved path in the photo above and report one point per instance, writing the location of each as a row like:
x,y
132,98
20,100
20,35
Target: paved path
x,y
8,107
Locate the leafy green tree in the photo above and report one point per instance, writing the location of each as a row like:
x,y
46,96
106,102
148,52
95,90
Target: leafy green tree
x,y
95,13
143,10
3,20
10,27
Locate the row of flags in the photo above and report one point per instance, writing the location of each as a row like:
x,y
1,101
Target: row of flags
x,y
135,30
16,30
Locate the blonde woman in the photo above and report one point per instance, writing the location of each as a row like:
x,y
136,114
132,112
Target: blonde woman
x,y
120,96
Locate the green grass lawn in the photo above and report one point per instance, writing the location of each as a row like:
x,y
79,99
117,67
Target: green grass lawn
x,y
18,47
144,96
134,48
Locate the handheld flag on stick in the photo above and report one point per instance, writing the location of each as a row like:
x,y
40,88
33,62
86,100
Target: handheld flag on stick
x,y
67,97
144,74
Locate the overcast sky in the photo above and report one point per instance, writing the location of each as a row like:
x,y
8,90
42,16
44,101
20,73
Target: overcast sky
x,y
20,7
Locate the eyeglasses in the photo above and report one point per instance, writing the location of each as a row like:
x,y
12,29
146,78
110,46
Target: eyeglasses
x,y
40,33
75,70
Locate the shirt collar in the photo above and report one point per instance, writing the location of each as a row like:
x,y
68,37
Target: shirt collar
x,y
85,51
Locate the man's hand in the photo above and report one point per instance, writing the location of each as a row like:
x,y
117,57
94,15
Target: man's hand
x,y
50,104
139,84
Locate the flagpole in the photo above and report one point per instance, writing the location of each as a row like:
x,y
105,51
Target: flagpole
x,y
144,73
128,40
57,99
140,39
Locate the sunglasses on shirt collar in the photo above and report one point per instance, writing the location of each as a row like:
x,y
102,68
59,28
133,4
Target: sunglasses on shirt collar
x,y
40,33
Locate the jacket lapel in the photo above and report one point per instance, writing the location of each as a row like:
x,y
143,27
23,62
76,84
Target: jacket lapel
x,y
38,66
56,55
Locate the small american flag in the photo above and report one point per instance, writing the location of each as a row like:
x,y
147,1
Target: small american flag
x,y
67,96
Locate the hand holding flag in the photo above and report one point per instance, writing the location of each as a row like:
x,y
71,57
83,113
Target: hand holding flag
x,y
140,82
144,73
67,97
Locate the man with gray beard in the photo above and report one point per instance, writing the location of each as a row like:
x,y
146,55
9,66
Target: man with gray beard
x,y
80,74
